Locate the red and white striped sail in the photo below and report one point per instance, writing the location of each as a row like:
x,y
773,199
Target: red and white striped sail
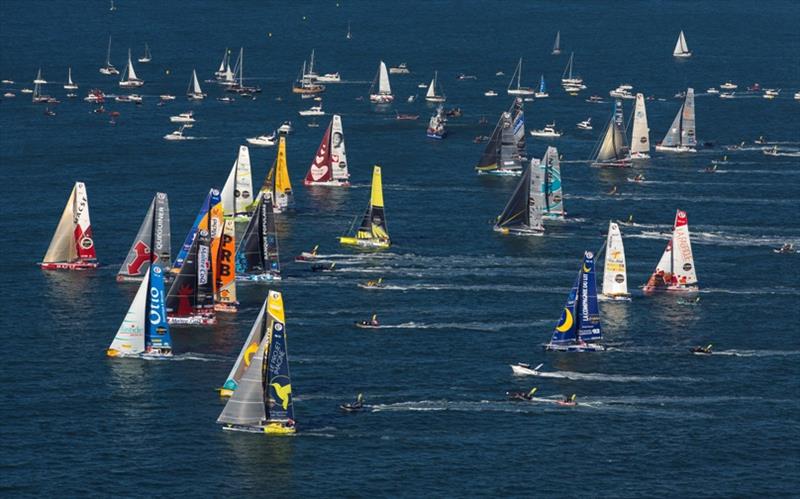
x,y
72,246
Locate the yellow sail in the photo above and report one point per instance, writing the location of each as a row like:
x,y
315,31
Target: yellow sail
x,y
282,182
213,223
373,232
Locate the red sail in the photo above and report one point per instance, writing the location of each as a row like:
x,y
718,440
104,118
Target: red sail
x,y
321,170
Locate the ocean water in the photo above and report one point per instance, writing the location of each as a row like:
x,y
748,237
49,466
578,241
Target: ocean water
x,y
462,301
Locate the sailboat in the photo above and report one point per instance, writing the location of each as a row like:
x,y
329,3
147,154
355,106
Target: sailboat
x,y
557,44
612,149
681,49
109,68
145,331
257,256
349,35
38,97
675,271
579,328
542,93
433,88
194,92
277,183
329,167
147,56
384,93
553,198
237,193
681,135
615,277
70,84
311,75
129,78
640,137
437,126
373,232
224,65
567,78
212,199
522,215
505,152
72,246
262,400
152,242
238,85
191,297
245,357
518,90
224,249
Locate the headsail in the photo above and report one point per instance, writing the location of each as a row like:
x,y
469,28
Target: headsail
x,y
225,272
580,319
553,196
330,162
506,147
129,339
640,137
257,255
72,245
191,297
277,182
373,231
246,355
613,150
675,269
152,242
212,199
681,134
615,277
238,190
523,212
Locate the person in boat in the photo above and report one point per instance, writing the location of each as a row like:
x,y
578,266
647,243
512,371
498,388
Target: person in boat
x,y
613,191
706,349
639,178
786,248
630,219
711,169
522,395
323,267
375,284
373,322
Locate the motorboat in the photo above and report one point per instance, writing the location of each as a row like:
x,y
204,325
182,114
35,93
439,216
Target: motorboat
x,y
166,97
400,69
312,111
595,99
286,128
134,98
585,124
9,95
407,117
727,95
712,91
771,93
330,78
178,134
490,93
187,117
728,85
786,249
263,140
622,92
463,76
549,130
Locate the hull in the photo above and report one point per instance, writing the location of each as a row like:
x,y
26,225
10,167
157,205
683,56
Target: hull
x,y
268,429
434,135
640,155
330,183
226,307
649,290
518,231
587,347
502,172
194,320
682,55
308,91
225,392
675,148
131,83
364,243
69,266
603,297
257,278
435,99
612,164
381,99
554,216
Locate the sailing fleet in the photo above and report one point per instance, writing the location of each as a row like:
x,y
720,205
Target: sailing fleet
x,y
200,281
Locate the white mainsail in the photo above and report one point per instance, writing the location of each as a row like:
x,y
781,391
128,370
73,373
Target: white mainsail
x,y
615,277
431,88
640,138
238,190
131,72
682,258
383,80
130,335
194,85
338,151
74,224
681,49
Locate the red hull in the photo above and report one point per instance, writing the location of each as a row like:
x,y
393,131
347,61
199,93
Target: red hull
x,y
69,266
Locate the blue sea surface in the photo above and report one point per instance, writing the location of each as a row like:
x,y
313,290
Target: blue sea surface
x,y
462,301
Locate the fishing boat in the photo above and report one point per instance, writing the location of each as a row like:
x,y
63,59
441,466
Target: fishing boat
x,y
681,49
223,249
72,246
263,140
557,44
373,232
681,135
147,56
70,85
238,86
400,69
435,93
437,126
383,93
542,93
108,69
548,131
277,183
194,92
615,277
190,300
550,185
518,90
329,167
261,401
129,78
145,331
567,78
237,194
312,111
612,149
640,136
522,215
585,124
151,244
505,151
257,257
675,271
187,117
580,329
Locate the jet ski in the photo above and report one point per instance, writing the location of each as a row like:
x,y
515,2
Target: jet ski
x,y
711,169
638,178
702,350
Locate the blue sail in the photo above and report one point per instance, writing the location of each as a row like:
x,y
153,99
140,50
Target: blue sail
x,y
278,384
588,308
157,335
212,198
566,331
542,88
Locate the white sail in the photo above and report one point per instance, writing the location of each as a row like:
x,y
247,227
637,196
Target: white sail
x,y
131,71
238,190
223,63
383,80
431,89
536,196
681,49
69,76
196,90
130,335
74,224
338,151
682,258
615,277
640,138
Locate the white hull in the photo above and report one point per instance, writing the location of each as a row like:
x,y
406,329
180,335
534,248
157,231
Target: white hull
x,y
539,133
639,155
609,298
682,55
541,95
520,91
131,83
677,149
261,141
381,98
587,347
435,98
502,172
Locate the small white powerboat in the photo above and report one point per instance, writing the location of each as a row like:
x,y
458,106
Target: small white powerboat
x,y
549,131
187,117
585,124
312,111
178,134
262,140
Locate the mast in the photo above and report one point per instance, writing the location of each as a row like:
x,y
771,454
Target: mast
x,y
108,52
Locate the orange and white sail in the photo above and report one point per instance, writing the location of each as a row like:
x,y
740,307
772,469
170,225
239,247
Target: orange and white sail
x,y
225,272
72,246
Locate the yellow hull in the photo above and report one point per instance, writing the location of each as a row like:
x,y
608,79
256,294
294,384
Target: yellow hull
x,y
365,243
112,353
224,392
278,429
